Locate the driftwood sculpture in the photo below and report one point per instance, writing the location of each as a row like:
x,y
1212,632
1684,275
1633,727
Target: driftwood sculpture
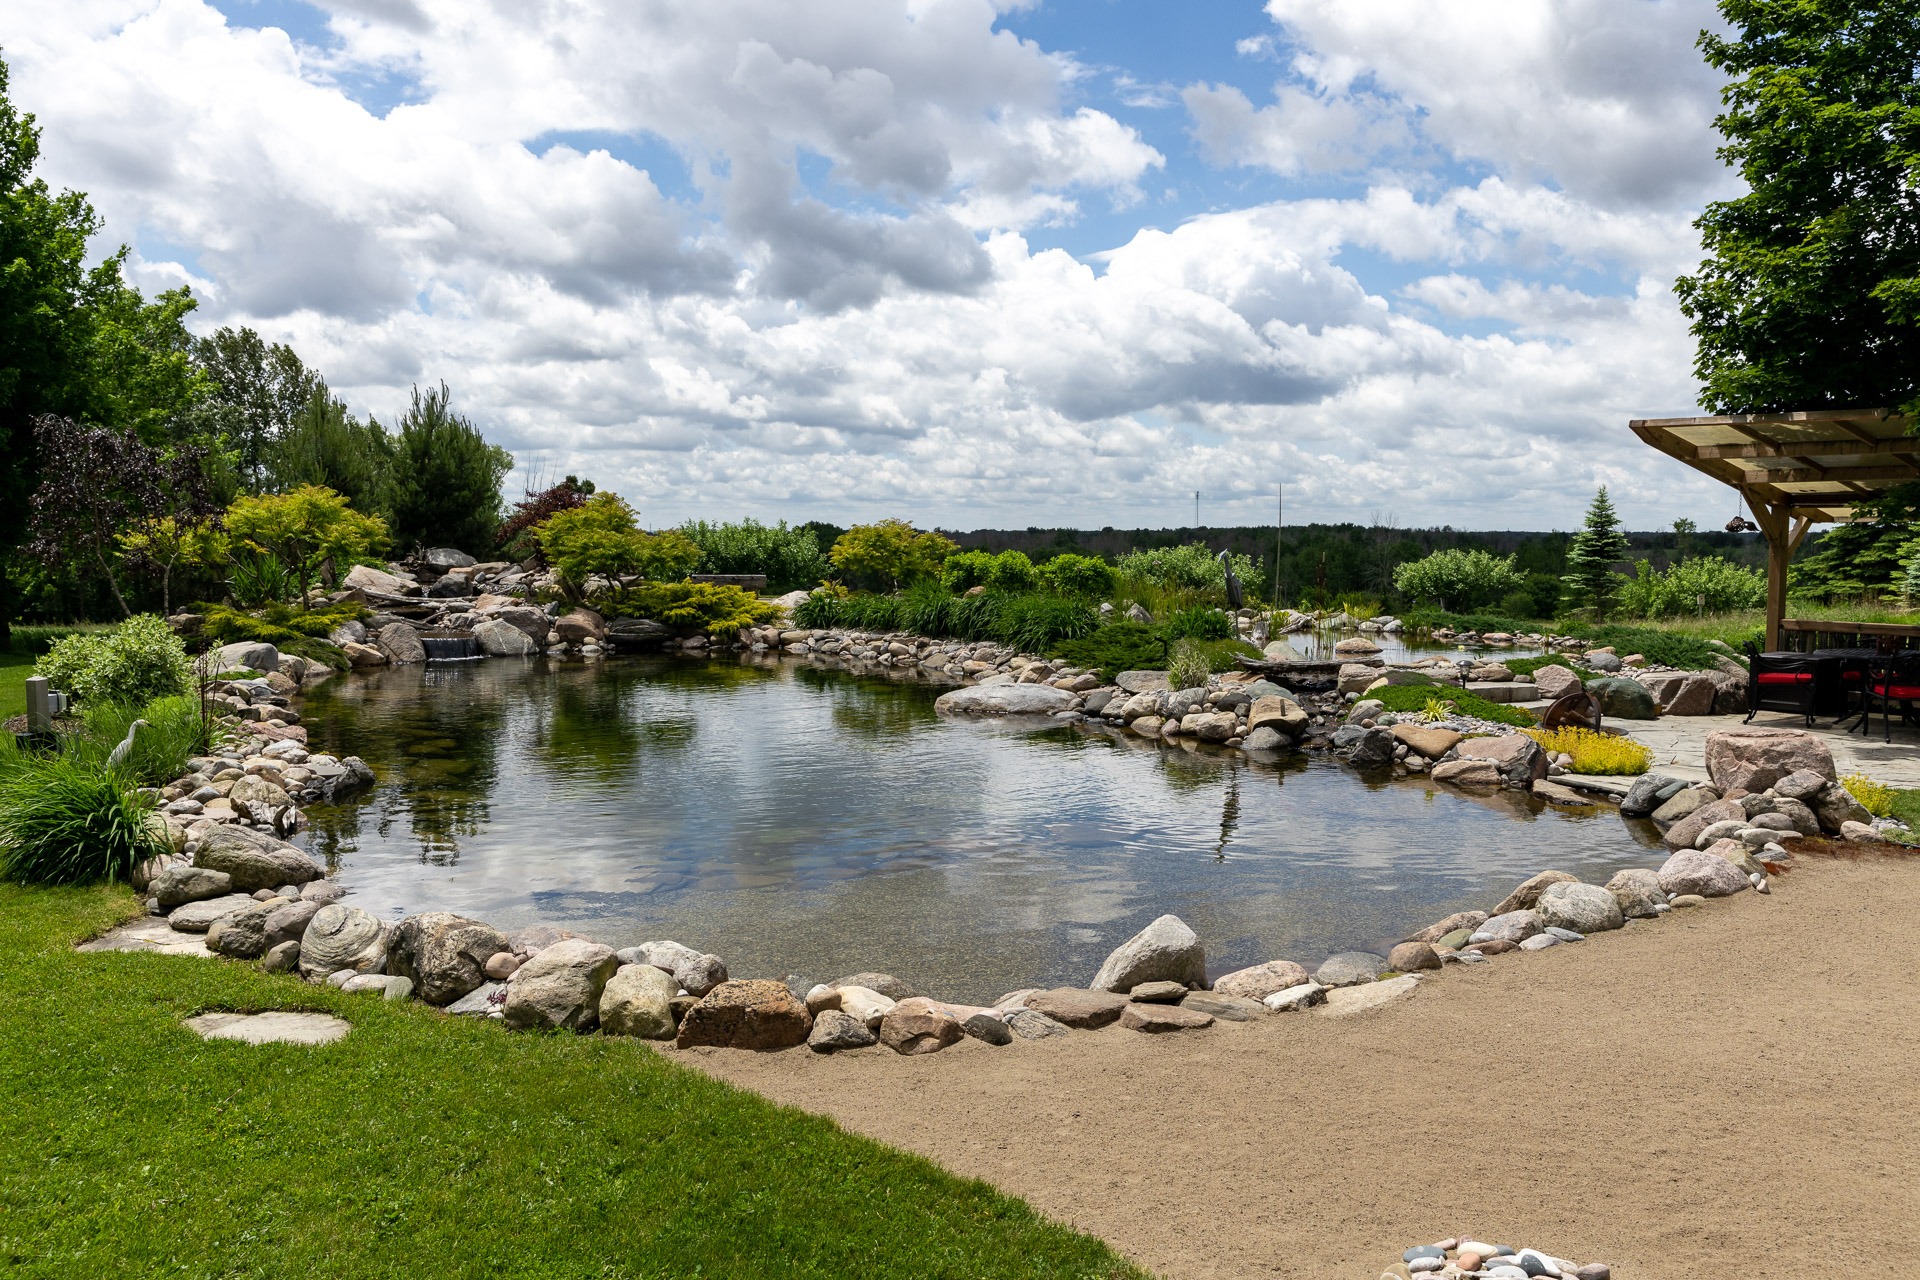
x,y
1235,596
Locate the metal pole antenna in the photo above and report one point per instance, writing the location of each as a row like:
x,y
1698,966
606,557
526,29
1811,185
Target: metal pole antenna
x,y
1196,508
1279,526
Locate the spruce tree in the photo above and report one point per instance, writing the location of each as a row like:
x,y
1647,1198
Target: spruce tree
x,y
1590,580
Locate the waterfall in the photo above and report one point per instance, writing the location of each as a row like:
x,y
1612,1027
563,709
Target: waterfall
x,y
450,648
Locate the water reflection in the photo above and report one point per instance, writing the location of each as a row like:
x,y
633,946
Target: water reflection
x,y
808,819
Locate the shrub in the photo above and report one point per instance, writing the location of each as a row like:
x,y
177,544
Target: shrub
x,y
713,608
138,661
516,538
304,528
1875,797
175,732
791,558
601,539
1082,577
1035,623
63,821
965,570
1680,589
1187,666
1013,572
1668,648
891,553
1117,647
256,578
1199,624
445,478
1452,578
276,624
1192,566
1604,754
1402,698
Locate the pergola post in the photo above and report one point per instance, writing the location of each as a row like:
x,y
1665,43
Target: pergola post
x,y
1784,532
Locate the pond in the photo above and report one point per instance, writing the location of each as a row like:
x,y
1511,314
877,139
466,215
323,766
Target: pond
x,y
793,818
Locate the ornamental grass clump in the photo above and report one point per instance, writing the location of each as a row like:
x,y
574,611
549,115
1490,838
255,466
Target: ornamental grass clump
x,y
1875,797
66,821
1187,666
1602,754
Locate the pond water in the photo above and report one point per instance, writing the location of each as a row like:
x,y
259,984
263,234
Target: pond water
x,y
798,819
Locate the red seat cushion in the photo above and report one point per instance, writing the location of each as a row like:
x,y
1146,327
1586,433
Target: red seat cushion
x,y
1784,677
1854,676
1898,692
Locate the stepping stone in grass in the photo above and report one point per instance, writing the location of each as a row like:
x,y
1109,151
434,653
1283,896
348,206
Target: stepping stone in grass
x,y
279,1026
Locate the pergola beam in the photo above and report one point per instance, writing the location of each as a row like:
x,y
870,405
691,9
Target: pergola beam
x,y
1817,446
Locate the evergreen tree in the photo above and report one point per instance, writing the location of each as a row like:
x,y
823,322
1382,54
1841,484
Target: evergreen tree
x,y
324,445
1590,580
446,479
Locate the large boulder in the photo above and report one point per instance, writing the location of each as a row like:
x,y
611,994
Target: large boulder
x,y
1072,1007
198,917
534,623
180,884
1372,749
1707,874
834,1031
1511,926
1753,759
1280,713
580,626
1349,968
1643,797
498,639
1468,920
253,859
400,641
363,655
1583,908
1686,833
1004,700
1262,980
1835,807
367,578
638,1001
445,558
1638,892
1428,740
1529,890
1518,758
697,972
446,955
342,937
1165,951
917,1026
1467,773
1623,698
1555,681
1693,697
759,1014
559,987
252,655
253,931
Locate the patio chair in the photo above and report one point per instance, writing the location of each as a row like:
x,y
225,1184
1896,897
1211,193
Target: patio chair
x,y
1892,678
1779,682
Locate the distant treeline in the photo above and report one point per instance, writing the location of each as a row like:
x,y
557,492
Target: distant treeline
x,y
1331,560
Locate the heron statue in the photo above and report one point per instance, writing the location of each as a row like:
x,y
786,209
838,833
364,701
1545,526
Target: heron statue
x,y
118,756
1235,596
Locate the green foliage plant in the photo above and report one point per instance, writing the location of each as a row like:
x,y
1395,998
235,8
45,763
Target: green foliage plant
x,y
1199,624
324,445
1078,576
65,821
140,660
255,579
1590,581
1117,647
890,554
1192,566
1412,699
790,558
1709,584
1013,572
1034,622
257,392
601,538
1809,297
1458,579
176,730
712,608
304,529
1877,798
446,478
1188,667
965,570
518,539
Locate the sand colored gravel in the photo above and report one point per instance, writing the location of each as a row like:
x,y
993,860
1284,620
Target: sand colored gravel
x,y
1730,1091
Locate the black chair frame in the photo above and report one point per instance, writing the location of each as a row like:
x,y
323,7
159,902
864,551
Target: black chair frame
x,y
1773,695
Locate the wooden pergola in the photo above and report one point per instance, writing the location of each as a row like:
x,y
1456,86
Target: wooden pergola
x,y
1795,470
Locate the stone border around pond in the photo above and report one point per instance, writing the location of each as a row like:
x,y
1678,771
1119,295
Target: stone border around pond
x,y
257,898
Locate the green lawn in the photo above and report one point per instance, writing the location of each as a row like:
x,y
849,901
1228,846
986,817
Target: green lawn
x,y
424,1145
14,670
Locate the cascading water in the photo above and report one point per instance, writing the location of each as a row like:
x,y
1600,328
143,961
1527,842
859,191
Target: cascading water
x,y
450,648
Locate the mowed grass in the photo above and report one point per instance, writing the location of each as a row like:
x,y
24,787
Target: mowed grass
x,y
424,1145
14,670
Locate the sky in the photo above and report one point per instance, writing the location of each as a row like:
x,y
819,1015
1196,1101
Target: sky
x,y
975,263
